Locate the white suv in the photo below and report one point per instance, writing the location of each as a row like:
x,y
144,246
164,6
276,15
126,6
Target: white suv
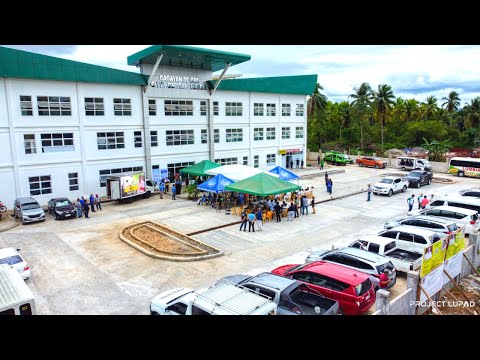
x,y
11,257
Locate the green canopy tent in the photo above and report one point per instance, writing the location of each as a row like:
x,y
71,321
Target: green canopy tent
x,y
200,168
262,185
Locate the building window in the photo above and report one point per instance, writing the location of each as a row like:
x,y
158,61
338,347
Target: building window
x,y
57,142
285,133
245,160
233,109
299,110
154,138
152,107
104,173
271,159
40,185
94,107
203,108
271,110
299,132
54,106
227,161
234,135
258,134
110,140
256,161
29,144
258,109
286,109
178,108
26,105
122,107
216,108
73,181
271,133
137,139
216,136
180,137
204,136
175,168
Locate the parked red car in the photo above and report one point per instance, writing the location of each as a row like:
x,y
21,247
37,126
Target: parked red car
x,y
352,289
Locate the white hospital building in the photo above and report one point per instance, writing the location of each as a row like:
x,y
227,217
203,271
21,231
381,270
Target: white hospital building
x,y
65,125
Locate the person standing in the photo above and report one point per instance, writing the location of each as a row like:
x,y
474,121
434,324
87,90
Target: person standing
x,y
291,164
304,205
410,202
79,208
259,221
384,280
86,210
167,184
318,160
297,162
244,220
251,222
302,163
291,212
278,211
321,164
98,204
313,205
326,180
425,202
369,192
92,202
419,201
174,191
161,189
330,186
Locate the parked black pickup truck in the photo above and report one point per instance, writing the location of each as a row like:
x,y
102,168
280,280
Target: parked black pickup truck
x,y
292,297
417,178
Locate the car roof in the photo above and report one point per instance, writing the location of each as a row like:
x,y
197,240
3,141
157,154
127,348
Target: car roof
x,y
25,200
377,239
336,271
414,230
7,252
454,208
469,200
363,254
437,219
468,190
271,280
391,177
59,199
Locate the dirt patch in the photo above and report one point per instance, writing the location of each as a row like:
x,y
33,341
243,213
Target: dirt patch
x,y
163,242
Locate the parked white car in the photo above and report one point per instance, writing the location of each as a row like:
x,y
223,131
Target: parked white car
x,y
390,185
411,238
11,257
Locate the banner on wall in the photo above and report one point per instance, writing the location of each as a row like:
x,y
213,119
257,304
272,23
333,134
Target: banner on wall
x,y
156,176
433,257
164,173
432,283
456,243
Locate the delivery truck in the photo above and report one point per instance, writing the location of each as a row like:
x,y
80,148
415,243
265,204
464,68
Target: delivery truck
x,y
15,296
125,187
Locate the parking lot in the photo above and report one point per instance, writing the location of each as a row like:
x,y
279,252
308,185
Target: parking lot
x,y
81,266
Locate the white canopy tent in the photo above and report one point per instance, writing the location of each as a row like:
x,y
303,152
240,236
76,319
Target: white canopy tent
x,y
238,172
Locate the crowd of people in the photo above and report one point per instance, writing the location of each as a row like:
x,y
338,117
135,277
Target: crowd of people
x,y
83,206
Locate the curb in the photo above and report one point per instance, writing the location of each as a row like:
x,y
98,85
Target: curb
x,y
15,224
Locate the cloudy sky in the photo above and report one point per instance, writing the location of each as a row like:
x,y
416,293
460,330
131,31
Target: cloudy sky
x,y
413,71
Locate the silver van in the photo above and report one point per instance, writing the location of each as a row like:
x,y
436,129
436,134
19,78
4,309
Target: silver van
x,y
28,210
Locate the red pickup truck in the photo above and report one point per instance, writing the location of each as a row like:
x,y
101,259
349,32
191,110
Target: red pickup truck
x,y
371,162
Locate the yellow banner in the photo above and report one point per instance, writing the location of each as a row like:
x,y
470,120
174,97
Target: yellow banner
x,y
456,243
433,257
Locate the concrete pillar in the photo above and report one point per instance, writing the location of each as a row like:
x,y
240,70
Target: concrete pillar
x,y
389,159
382,301
413,277
474,240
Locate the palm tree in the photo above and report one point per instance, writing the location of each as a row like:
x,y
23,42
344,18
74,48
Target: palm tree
x,y
382,103
429,108
411,109
452,102
317,101
472,113
362,100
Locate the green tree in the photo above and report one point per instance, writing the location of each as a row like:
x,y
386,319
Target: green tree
x,y
382,103
472,113
362,99
436,149
317,101
411,109
429,108
452,102
315,107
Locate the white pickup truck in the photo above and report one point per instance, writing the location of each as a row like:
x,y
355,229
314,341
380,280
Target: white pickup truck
x,y
390,185
223,298
402,259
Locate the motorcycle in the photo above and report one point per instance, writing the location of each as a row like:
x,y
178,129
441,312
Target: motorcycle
x,y
3,208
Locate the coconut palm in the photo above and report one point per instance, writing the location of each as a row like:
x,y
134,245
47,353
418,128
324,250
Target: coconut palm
x,y
429,108
452,102
362,99
472,113
411,109
382,103
317,101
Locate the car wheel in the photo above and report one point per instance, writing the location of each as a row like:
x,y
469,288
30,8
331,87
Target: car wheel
x,y
404,189
461,174
429,181
360,164
403,168
55,216
23,221
390,193
418,185
154,313
377,167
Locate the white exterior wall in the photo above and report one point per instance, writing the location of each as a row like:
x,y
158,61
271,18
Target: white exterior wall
x,y
87,160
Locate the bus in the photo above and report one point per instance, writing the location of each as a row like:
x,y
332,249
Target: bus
x,y
464,166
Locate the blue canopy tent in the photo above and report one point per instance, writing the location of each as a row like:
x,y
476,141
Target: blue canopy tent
x,y
284,174
216,184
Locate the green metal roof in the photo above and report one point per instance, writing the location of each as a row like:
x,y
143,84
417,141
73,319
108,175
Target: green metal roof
x,y
301,84
26,65
188,57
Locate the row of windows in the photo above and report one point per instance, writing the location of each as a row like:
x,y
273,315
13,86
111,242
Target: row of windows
x,y
270,158
61,106
56,142
41,185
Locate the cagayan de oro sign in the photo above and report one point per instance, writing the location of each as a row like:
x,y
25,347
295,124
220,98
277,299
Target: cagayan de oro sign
x,y
178,82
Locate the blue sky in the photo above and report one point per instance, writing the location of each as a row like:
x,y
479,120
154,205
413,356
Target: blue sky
x,y
413,71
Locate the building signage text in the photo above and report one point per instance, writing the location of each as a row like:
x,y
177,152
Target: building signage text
x,y
179,82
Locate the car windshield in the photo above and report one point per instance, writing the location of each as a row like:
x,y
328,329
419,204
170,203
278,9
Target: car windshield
x,y
11,260
414,174
30,206
386,181
453,227
362,288
388,265
63,203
